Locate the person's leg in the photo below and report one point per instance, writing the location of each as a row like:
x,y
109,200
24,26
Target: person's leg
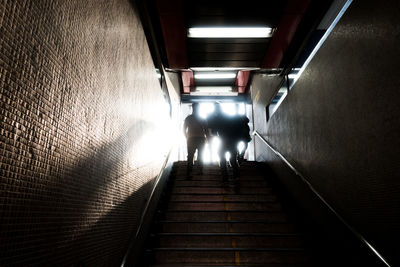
x,y
191,148
235,166
200,151
222,160
232,148
241,154
246,144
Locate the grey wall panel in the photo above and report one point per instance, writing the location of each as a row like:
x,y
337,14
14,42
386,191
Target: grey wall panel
x,y
175,83
263,88
340,123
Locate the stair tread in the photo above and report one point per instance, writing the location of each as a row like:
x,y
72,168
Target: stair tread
x,y
223,198
225,249
230,211
230,256
244,216
220,190
224,265
228,206
226,227
222,194
225,202
230,234
246,240
223,210
222,187
204,182
196,178
216,222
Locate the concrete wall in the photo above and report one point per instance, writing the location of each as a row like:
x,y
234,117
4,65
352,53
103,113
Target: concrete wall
x,y
263,88
340,123
84,131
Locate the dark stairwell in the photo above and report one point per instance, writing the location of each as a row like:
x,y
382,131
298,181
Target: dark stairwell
x,y
80,100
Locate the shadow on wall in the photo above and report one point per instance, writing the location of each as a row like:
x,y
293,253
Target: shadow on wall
x,y
98,246
82,216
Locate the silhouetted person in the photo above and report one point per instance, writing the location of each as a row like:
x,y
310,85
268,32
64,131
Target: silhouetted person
x,y
196,132
243,133
225,127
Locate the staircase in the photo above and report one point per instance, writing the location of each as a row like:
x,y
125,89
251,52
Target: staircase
x,y
205,222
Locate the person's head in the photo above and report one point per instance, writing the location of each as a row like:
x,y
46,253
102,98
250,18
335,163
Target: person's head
x,y
237,107
195,108
217,108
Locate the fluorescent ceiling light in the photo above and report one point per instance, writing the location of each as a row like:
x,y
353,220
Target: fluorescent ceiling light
x,y
230,32
221,75
213,88
220,69
214,93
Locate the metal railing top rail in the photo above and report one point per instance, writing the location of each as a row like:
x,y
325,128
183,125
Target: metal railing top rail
x,y
354,231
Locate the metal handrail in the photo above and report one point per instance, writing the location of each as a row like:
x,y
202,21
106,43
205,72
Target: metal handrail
x,y
144,213
354,231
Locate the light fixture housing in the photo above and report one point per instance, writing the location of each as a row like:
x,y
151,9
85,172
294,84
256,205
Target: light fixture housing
x,y
230,32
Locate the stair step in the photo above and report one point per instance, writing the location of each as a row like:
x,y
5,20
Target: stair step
x,y
229,256
220,190
227,249
215,174
207,175
223,185
228,206
228,240
213,183
246,216
217,178
228,198
230,234
225,227
225,265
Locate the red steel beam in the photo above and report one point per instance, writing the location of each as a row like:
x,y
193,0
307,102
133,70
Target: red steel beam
x,y
174,32
187,80
242,79
284,33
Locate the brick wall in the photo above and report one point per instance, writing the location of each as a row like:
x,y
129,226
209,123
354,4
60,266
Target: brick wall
x,y
81,119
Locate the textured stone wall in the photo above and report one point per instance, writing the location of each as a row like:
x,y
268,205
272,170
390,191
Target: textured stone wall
x,y
84,131
339,125
263,88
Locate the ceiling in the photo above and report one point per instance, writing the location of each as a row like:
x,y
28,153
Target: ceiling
x,y
292,22
229,52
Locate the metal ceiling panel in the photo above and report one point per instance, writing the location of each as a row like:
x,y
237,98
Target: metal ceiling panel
x,y
222,64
